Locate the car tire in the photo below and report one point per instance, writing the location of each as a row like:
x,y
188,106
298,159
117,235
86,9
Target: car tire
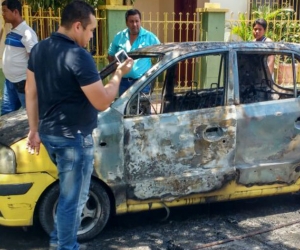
x,y
94,216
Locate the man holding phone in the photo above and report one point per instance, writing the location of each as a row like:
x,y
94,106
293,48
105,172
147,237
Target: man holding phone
x,y
62,99
130,39
121,56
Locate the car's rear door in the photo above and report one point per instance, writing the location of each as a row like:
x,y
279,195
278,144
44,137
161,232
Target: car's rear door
x,y
268,112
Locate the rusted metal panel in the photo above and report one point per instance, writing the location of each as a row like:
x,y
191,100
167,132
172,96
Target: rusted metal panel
x,y
269,142
177,154
109,158
172,155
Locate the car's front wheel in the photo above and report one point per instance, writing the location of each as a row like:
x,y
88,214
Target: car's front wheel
x,y
94,215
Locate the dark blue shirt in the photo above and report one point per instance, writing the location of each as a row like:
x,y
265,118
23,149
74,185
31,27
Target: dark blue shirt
x,y
61,68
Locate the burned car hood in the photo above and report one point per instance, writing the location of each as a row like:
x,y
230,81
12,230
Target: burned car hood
x,y
14,127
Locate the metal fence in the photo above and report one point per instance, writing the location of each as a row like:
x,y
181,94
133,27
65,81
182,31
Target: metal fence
x,y
174,27
168,27
283,25
44,22
290,4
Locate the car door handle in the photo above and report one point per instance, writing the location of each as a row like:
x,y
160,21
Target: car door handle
x,y
213,133
297,123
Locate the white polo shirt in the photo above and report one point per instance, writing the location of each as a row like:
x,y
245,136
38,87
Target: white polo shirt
x,y
18,44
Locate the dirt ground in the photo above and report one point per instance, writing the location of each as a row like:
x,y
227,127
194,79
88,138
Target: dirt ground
x,y
266,223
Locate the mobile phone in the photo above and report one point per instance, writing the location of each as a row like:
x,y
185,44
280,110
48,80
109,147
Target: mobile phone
x,y
121,56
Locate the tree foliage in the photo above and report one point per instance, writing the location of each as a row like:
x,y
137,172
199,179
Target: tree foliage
x,y
55,4
282,25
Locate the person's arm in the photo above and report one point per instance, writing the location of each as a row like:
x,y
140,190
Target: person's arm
x,y
271,62
110,58
271,59
33,140
29,40
102,96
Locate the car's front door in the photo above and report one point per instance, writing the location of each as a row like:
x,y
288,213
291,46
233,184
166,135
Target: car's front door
x,y
184,142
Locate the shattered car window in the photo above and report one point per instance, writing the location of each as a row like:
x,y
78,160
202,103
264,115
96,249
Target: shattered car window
x,y
190,84
256,81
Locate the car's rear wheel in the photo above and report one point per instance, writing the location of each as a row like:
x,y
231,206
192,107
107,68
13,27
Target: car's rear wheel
x,y
94,215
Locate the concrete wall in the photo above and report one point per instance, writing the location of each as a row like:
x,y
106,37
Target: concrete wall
x,y
147,6
154,5
157,8
166,6
234,6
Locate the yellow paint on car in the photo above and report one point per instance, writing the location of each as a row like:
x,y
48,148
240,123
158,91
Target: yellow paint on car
x,y
28,163
18,210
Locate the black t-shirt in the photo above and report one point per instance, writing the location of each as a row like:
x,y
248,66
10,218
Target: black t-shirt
x,y
61,67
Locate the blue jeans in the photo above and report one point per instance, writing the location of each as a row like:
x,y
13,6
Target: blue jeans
x,y
126,83
12,100
74,160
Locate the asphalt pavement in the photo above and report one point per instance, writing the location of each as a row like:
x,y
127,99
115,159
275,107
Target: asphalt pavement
x,y
271,223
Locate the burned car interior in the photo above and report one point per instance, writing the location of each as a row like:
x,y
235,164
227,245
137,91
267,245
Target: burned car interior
x,y
203,86
190,99
256,83
183,92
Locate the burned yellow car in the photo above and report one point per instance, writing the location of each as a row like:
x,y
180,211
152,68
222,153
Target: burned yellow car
x,y
220,123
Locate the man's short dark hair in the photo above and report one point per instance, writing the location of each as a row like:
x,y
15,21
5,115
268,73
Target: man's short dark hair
x,y
13,5
261,22
77,11
132,12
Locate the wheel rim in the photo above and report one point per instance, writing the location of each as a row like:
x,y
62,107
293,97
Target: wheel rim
x,y
90,215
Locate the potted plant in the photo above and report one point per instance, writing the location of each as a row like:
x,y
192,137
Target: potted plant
x,y
243,29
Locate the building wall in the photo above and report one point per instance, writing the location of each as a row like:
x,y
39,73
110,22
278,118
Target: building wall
x,y
154,5
234,6
166,5
147,5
